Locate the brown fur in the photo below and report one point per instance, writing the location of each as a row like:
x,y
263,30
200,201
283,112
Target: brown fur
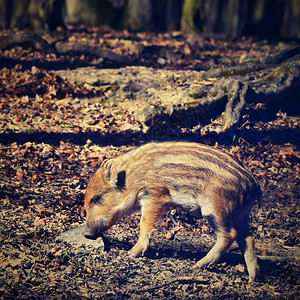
x,y
192,175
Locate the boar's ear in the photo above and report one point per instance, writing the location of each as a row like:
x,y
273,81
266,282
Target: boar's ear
x,y
119,181
106,165
121,178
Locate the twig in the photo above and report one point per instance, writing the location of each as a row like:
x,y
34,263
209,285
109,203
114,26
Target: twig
x,y
245,123
179,279
272,258
173,220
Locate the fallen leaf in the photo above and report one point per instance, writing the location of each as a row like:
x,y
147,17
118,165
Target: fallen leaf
x,y
240,268
20,174
169,236
39,222
288,150
255,163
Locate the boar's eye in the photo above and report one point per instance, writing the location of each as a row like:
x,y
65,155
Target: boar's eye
x,y
96,199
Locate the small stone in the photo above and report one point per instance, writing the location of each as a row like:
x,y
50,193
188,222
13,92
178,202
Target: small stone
x,y
34,70
75,236
147,113
161,61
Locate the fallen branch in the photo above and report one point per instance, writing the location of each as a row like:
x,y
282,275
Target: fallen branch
x,y
272,258
31,39
178,279
27,38
67,47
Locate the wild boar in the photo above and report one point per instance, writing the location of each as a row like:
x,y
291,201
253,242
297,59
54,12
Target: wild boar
x,y
192,175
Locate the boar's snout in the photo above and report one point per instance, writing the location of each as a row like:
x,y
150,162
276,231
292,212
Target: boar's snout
x,y
91,234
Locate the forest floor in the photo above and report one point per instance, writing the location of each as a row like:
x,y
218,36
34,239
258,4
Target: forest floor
x,y
61,114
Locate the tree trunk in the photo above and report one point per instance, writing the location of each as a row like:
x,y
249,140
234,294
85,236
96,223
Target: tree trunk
x,y
229,18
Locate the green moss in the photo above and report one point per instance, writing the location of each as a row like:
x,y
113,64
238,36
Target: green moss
x,y
258,11
275,74
113,88
103,101
195,95
228,73
192,103
191,10
79,83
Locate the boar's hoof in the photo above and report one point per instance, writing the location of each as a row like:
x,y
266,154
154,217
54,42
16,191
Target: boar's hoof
x,y
135,252
254,276
132,254
201,264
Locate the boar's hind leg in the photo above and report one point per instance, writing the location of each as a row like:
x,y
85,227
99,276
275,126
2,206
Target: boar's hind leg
x,y
224,241
152,207
246,245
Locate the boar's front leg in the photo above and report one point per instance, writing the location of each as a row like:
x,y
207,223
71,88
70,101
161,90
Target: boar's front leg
x,y
152,206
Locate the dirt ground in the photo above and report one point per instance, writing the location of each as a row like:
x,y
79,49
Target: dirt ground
x,y
54,132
